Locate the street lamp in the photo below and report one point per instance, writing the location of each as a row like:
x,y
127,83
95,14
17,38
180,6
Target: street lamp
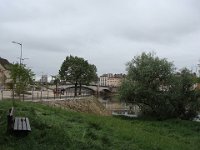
x,y
20,63
22,60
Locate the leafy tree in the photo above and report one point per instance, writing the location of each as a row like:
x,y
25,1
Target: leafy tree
x,y
197,79
77,71
22,77
88,75
184,96
153,85
147,78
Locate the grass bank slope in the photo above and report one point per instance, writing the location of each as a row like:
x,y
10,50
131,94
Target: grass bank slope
x,y
55,128
86,104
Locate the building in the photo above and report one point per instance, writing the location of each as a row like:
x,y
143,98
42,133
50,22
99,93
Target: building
x,y
44,79
103,80
114,82
111,80
4,72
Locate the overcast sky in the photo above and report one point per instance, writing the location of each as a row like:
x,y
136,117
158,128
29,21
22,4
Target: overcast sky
x,y
107,33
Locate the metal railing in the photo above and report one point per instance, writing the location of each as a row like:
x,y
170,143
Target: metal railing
x,y
40,95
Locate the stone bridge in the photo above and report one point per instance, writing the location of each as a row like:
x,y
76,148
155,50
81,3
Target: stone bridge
x,y
93,88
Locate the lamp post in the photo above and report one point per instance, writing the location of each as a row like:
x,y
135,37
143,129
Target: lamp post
x,y
20,62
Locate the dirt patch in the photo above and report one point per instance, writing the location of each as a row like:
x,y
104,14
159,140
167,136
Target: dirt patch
x,y
87,105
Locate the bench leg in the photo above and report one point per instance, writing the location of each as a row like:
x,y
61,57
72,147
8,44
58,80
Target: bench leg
x,y
10,123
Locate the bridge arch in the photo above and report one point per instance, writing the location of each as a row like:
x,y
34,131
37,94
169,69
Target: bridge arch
x,y
84,90
93,88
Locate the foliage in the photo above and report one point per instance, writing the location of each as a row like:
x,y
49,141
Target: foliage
x,y
77,71
21,77
147,78
152,84
55,128
88,74
197,79
184,96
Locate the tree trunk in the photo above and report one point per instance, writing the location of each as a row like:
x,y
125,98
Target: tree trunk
x,y
80,88
56,88
75,90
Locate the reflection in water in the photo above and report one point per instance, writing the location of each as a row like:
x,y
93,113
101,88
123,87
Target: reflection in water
x,y
119,107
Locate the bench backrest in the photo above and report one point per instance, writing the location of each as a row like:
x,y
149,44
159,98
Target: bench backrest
x,y
11,112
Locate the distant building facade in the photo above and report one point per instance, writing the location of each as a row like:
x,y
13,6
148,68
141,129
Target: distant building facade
x,y
44,79
111,80
4,72
103,80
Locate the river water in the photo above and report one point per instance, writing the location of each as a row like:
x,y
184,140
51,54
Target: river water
x,y
119,107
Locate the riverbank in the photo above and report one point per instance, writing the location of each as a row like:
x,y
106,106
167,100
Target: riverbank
x,y
83,104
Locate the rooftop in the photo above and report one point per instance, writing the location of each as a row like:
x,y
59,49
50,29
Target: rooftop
x,y
5,63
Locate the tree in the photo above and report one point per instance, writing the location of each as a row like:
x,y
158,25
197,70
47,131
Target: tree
x,y
22,77
153,85
77,71
88,75
146,83
184,96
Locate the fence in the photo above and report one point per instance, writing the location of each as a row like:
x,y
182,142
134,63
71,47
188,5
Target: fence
x,y
41,95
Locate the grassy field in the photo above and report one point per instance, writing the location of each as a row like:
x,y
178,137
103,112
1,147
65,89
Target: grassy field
x,y
55,128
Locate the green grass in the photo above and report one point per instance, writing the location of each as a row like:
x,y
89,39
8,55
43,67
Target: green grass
x,y
55,128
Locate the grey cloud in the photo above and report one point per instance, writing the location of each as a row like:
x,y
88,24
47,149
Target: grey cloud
x,y
106,33
163,23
